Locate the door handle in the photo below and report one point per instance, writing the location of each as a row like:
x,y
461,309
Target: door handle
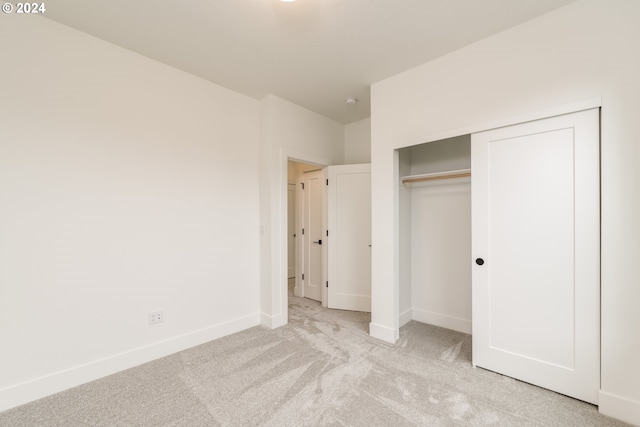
x,y
479,261
318,242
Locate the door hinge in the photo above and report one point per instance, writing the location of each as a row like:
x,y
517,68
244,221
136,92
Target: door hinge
x,y
327,233
327,285
302,185
302,276
303,231
327,181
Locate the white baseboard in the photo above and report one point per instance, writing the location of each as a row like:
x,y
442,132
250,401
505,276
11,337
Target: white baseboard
x,y
442,320
270,321
406,317
55,382
619,407
383,333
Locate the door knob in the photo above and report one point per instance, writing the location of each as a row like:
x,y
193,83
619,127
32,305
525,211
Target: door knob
x,y
318,242
479,261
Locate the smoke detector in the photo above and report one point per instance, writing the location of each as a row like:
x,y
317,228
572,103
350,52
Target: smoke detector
x,y
351,101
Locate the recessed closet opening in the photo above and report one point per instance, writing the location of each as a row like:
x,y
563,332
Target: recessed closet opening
x,y
534,206
435,233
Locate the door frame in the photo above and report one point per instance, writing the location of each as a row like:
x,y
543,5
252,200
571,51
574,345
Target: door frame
x,y
280,287
290,267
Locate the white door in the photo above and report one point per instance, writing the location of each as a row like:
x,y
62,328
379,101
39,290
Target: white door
x,y
291,230
349,226
536,249
312,234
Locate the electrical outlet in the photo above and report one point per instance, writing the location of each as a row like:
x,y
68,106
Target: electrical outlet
x,y
156,317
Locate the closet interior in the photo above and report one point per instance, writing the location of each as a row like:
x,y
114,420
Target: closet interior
x,y
435,233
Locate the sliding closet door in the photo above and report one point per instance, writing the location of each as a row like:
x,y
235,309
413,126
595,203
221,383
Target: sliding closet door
x,y
536,249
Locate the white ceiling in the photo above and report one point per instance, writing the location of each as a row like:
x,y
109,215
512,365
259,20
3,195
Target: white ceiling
x,y
315,53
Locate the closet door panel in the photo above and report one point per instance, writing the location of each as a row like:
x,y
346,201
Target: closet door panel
x,y
536,227
531,225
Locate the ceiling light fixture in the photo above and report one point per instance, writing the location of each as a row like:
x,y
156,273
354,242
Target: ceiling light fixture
x,y
351,101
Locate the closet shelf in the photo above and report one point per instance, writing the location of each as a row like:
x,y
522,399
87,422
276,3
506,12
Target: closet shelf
x,y
439,175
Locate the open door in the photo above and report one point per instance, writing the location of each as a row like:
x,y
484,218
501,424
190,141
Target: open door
x,y
349,237
536,249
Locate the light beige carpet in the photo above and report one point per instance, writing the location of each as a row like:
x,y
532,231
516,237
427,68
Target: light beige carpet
x,y
321,369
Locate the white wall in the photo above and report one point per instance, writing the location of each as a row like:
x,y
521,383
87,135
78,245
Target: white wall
x,y
441,253
126,186
441,156
439,218
584,50
357,142
292,172
288,132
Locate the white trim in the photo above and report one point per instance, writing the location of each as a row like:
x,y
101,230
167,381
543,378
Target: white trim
x,y
444,321
325,248
619,407
383,333
296,156
49,384
573,107
271,322
406,317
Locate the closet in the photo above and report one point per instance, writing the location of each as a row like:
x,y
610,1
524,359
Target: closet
x,y
500,238
436,214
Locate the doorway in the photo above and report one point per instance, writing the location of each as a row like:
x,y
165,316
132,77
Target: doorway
x,y
336,198
305,211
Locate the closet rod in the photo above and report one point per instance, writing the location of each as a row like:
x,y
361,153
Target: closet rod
x,y
433,176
